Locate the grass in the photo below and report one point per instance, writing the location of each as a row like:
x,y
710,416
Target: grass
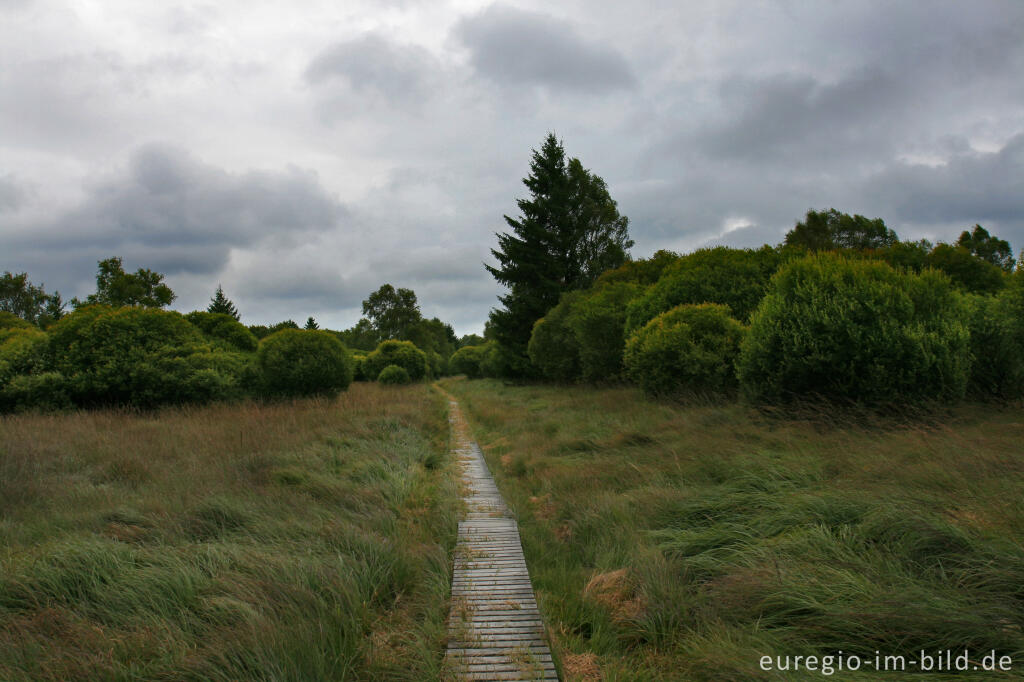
x,y
296,541
687,541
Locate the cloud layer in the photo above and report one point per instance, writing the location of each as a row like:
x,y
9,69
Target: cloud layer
x,y
303,159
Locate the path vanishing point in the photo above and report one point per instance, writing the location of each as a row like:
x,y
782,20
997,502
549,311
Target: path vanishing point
x,y
494,631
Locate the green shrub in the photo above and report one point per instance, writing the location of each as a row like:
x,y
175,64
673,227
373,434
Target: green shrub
x,y
359,367
436,364
300,362
402,353
12,321
45,391
598,320
139,356
856,330
224,328
997,341
737,278
967,271
467,360
394,374
22,351
691,348
553,348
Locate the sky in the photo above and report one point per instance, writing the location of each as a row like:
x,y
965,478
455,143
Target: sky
x,y
302,154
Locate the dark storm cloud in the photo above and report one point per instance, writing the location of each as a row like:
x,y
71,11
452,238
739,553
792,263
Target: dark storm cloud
x,y
373,63
971,187
177,214
515,47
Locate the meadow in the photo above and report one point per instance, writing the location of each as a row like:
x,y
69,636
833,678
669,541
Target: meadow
x,y
686,541
299,540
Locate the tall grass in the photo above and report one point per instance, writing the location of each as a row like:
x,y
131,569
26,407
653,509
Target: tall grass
x,y
685,542
294,541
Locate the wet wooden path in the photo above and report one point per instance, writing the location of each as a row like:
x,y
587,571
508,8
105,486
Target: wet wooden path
x,y
494,631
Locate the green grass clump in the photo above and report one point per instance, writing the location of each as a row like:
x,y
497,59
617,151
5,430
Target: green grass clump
x,y
684,542
292,541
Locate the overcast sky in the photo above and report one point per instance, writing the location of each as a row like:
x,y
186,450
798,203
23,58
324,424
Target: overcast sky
x,y
302,154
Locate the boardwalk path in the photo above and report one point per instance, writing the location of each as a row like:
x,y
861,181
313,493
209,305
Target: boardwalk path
x,y
494,630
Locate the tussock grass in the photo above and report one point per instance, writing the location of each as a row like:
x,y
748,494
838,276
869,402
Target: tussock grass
x,y
291,541
671,541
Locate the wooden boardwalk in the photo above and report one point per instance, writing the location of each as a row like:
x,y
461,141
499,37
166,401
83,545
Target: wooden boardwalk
x,y
494,631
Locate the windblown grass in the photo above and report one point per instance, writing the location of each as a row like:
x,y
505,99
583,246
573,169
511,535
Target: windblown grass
x,y
298,541
685,542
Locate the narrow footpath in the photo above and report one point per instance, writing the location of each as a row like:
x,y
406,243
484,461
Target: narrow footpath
x,y
494,631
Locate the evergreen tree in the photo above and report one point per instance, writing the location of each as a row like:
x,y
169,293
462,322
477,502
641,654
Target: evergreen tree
x,y
311,324
222,304
569,233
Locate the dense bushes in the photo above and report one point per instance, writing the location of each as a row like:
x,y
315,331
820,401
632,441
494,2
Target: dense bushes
x,y
737,278
402,353
689,349
856,330
997,341
221,327
553,348
394,375
299,362
468,360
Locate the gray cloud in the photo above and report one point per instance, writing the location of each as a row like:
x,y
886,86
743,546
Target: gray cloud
x,y
180,215
12,195
515,47
971,187
372,63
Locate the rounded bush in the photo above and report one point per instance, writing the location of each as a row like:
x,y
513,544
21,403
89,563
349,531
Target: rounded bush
x,y
224,328
997,341
856,330
359,367
44,391
300,362
22,351
691,348
394,374
553,348
466,360
598,320
137,356
737,278
402,353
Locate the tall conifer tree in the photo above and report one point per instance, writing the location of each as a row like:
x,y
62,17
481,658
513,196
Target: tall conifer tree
x,y
222,304
570,231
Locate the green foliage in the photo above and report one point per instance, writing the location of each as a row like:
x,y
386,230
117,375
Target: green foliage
x,y
432,335
262,331
644,272
987,247
9,320
469,340
115,287
22,351
570,231
402,353
830,230
359,366
997,341
46,391
311,324
553,347
597,319
394,375
468,360
296,362
139,356
362,336
689,349
21,298
222,304
856,330
968,272
737,278
391,311
224,328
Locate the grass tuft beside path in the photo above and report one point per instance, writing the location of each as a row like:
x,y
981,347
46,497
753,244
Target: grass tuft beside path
x,y
297,541
685,542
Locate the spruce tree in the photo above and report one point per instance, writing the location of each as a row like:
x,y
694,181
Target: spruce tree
x,y
222,304
311,324
570,231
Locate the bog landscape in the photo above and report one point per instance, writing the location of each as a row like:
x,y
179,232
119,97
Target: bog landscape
x,y
803,459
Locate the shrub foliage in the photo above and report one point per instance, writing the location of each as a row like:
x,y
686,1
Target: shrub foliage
x,y
689,349
856,330
301,362
402,353
395,375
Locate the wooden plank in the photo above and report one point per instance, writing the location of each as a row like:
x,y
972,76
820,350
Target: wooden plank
x,y
495,630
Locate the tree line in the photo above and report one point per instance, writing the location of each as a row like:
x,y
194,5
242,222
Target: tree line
x,y
120,347
842,309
